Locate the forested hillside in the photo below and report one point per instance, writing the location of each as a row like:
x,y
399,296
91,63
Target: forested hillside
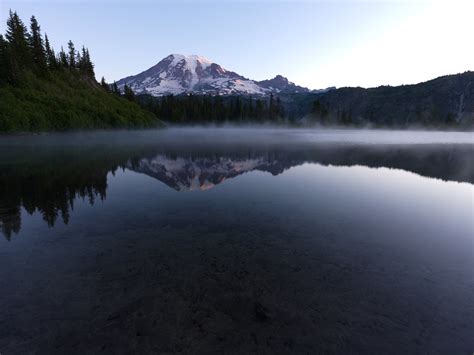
x,y
447,101
41,90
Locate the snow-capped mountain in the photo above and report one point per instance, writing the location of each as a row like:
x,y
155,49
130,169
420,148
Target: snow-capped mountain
x,y
179,74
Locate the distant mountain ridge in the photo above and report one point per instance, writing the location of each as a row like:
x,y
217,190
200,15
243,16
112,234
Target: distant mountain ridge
x,y
180,74
444,101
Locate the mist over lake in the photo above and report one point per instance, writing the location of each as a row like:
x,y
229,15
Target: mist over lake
x,y
257,240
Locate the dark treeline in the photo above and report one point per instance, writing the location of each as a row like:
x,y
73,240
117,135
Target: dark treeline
x,y
44,90
215,109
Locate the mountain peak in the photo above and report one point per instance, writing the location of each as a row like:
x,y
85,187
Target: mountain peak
x,y
180,74
280,84
191,60
280,79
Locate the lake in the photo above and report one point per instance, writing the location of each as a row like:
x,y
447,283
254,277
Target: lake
x,y
224,240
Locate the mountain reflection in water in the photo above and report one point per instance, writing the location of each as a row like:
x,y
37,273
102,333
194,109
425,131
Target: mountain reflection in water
x,y
202,172
48,179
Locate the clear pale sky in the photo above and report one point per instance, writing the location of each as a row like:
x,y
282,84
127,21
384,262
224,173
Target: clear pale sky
x,y
314,44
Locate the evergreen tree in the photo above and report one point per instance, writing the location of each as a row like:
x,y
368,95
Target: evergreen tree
x,y
17,36
82,59
249,112
279,108
115,89
4,60
104,84
319,112
79,62
271,108
128,92
63,61
37,46
71,55
50,56
259,110
19,55
88,66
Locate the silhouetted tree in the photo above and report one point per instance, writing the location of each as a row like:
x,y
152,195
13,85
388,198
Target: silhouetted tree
x,y
88,66
104,84
79,62
82,60
19,51
115,89
4,60
319,112
279,108
63,61
128,92
37,46
71,55
50,56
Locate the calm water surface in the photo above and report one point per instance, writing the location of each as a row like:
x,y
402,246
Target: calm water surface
x,y
237,241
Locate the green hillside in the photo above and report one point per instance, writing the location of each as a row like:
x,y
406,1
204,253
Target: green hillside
x,y
40,91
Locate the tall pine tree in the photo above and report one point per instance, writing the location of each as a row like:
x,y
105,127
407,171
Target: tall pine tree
x,y
82,63
50,56
79,61
71,55
4,60
89,67
37,46
104,84
128,92
63,61
19,51
115,89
